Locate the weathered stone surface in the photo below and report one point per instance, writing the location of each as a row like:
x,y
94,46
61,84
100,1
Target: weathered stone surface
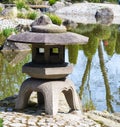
x,y
104,12
58,5
12,23
22,28
17,125
47,72
14,58
73,119
50,28
104,15
42,20
9,12
15,47
88,9
69,24
49,39
105,118
85,12
48,94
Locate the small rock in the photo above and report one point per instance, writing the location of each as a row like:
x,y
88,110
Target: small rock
x,y
17,125
104,15
42,20
9,12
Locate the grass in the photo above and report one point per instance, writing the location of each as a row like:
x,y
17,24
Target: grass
x,y
8,31
21,4
51,2
32,15
88,106
55,19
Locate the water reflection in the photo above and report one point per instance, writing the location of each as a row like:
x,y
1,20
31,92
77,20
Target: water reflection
x,y
11,76
103,40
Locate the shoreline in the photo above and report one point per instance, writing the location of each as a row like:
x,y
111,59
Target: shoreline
x,y
36,117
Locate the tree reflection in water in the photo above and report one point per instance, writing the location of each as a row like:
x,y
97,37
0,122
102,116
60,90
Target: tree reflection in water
x,y
11,76
103,70
111,43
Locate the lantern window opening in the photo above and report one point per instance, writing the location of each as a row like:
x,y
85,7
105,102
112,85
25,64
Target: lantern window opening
x,y
41,50
54,51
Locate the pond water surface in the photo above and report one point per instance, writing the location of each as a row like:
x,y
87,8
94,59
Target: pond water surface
x,y
96,68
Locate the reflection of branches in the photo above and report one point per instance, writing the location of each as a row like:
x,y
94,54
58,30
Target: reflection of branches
x,y
102,66
11,77
87,70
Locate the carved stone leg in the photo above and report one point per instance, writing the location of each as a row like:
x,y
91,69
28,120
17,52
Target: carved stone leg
x,y
27,87
24,95
48,92
72,97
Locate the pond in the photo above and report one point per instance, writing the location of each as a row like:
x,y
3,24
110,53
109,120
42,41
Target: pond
x,y
96,68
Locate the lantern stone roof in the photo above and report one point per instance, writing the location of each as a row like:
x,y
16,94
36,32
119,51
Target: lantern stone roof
x,y
65,38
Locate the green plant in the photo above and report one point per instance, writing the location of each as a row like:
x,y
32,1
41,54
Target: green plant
x,y
2,38
21,15
32,15
55,19
21,4
88,105
8,31
1,9
51,2
1,122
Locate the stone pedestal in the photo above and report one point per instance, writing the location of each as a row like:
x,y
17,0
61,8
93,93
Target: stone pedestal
x,y
48,93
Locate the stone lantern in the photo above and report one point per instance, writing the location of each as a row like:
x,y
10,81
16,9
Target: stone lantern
x,y
48,69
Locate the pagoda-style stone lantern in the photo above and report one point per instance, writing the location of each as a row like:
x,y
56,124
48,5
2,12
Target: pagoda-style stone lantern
x,y
48,69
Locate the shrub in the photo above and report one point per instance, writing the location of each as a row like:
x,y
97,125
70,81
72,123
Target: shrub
x,y
21,15
51,2
21,4
8,31
32,15
55,19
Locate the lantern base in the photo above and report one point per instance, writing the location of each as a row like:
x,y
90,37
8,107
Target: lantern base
x,y
48,92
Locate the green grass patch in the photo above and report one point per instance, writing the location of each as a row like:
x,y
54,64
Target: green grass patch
x,y
32,15
55,19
